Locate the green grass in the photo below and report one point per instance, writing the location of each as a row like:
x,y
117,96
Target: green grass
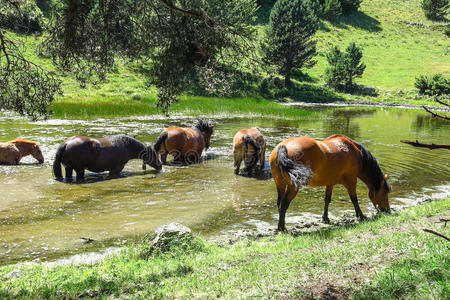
x,y
394,53
388,257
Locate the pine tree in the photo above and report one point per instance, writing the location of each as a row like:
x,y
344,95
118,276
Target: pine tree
x,y
344,67
289,42
353,66
436,9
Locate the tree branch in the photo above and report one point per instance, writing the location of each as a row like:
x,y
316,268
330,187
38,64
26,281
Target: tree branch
x,y
189,12
429,146
437,233
435,115
440,102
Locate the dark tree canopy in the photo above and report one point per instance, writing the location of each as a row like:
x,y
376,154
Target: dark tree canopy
x,y
176,36
289,34
24,86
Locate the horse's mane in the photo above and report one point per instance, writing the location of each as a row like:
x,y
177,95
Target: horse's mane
x,y
124,140
24,141
203,126
371,168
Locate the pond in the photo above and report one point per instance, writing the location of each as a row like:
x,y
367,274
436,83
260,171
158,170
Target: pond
x,y
42,218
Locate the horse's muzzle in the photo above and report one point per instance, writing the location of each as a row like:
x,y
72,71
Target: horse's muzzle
x,y
41,161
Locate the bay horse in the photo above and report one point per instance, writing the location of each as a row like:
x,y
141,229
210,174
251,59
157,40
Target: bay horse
x,y
185,145
12,152
101,154
251,155
335,160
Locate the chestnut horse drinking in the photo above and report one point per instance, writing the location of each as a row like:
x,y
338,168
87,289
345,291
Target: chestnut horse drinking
x,y
251,155
103,154
185,145
335,160
12,152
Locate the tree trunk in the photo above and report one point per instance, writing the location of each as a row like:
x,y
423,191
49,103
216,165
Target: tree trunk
x,y
287,79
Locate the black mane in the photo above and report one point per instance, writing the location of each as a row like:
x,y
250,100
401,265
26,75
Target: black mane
x,y
371,169
124,140
203,126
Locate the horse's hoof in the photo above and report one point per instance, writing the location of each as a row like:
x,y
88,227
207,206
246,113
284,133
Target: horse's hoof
x,y
236,172
325,220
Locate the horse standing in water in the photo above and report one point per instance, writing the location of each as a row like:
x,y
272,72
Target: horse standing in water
x,y
251,155
185,145
335,160
103,154
12,152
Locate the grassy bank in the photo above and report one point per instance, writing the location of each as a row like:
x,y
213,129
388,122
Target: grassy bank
x,y
189,105
386,257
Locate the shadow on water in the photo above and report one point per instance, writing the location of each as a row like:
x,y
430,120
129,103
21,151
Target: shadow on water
x,y
90,178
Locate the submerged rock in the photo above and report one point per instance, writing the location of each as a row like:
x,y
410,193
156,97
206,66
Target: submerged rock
x,y
166,234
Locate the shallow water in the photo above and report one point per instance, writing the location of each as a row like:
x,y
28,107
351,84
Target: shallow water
x,y
42,218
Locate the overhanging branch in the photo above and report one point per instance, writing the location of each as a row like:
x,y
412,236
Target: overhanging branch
x,y
189,12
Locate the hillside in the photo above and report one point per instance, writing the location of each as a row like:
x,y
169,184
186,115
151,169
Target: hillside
x,y
395,52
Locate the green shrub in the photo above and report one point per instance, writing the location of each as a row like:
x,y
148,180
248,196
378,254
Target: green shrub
x,y
436,9
344,67
350,5
435,85
27,17
331,9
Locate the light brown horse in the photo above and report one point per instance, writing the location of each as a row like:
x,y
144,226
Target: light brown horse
x,y
12,152
251,155
185,145
335,160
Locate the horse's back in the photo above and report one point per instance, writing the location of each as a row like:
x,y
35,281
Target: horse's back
x,y
238,140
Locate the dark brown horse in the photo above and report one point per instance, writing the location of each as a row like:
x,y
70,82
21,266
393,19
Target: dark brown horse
x,y
103,154
248,145
185,145
335,160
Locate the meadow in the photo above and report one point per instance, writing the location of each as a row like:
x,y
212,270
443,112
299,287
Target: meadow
x,y
386,257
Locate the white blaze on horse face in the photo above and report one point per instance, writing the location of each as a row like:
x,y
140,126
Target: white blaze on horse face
x,y
341,146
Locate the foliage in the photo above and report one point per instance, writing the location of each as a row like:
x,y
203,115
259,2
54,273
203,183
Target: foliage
x,y
436,9
435,85
288,43
344,67
331,9
21,16
177,37
25,87
350,5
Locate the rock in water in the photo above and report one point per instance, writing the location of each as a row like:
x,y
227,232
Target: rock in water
x,y
167,233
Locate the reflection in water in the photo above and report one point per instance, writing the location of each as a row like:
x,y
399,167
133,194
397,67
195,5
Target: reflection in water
x,y
42,218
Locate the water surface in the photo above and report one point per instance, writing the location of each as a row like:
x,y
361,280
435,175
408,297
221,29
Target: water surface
x,y
42,218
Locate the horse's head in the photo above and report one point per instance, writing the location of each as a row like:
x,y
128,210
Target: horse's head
x,y
206,128
150,157
37,153
379,197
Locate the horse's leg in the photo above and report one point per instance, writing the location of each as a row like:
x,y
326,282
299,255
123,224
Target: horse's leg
x,y
69,174
284,200
262,158
164,157
237,166
116,171
350,185
328,192
80,174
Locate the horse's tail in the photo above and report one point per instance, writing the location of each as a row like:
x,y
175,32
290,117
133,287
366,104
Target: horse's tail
x,y
57,162
249,140
161,141
298,173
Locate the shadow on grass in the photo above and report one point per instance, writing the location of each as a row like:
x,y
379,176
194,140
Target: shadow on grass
x,y
359,20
